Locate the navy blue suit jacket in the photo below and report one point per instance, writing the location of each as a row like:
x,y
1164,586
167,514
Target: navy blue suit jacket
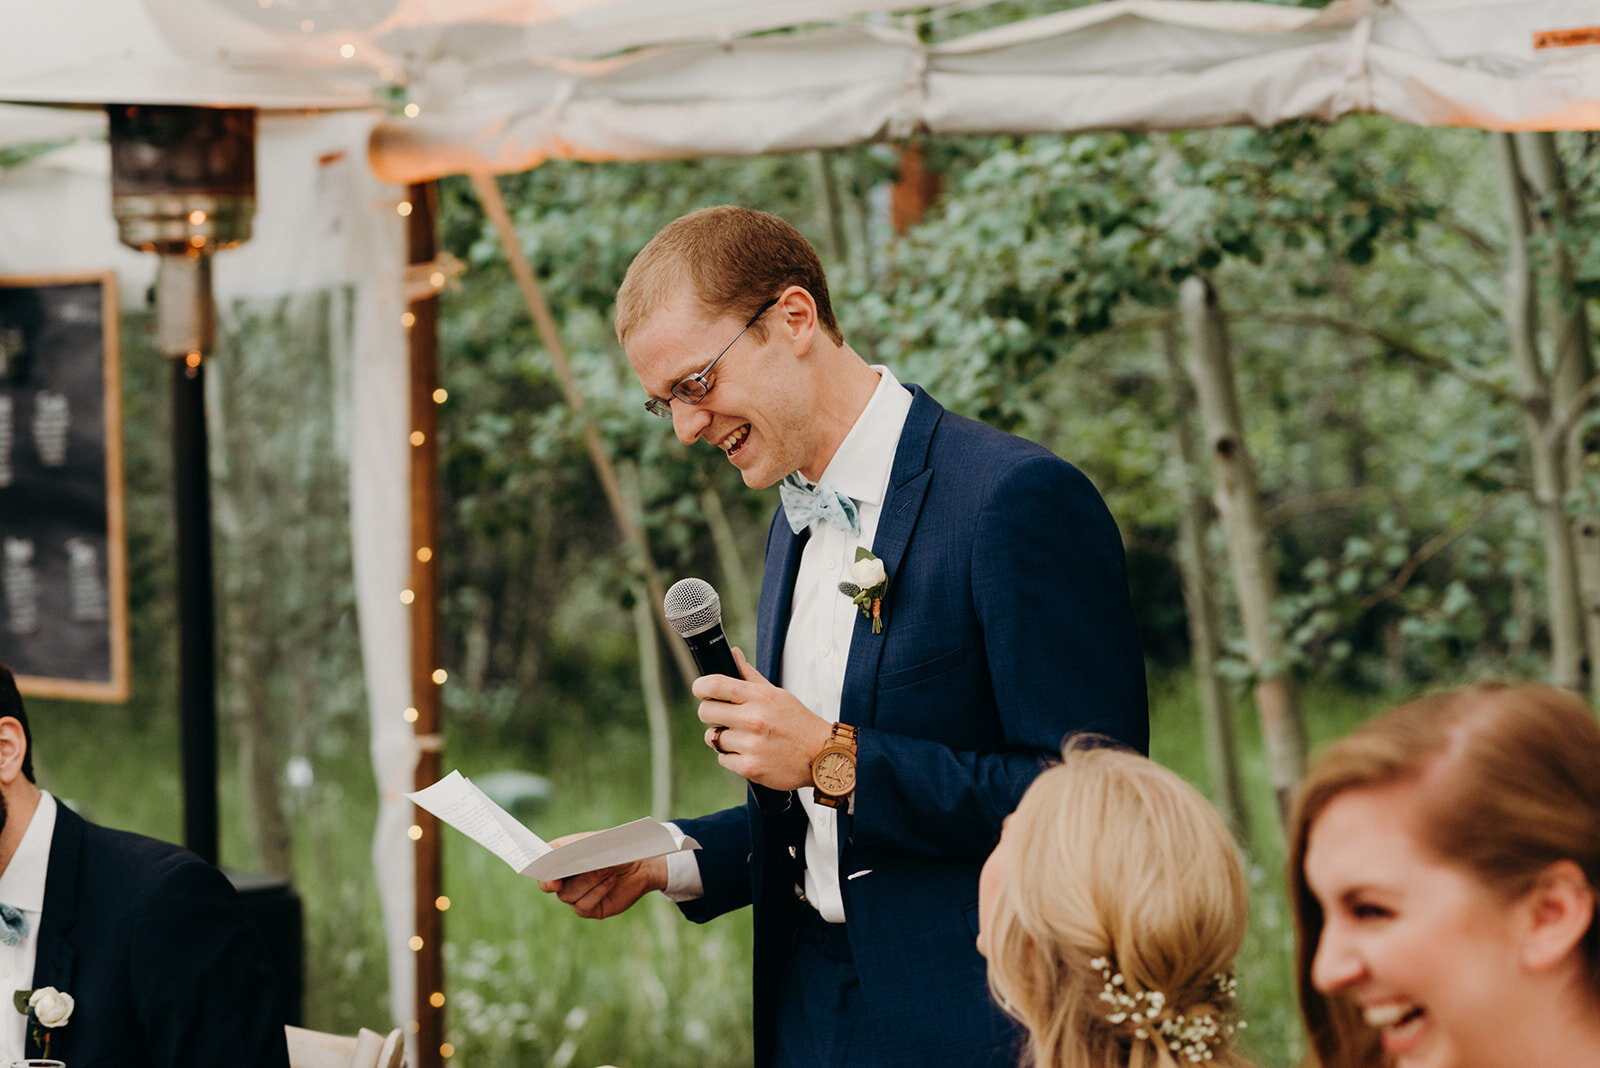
x,y
1007,627
165,967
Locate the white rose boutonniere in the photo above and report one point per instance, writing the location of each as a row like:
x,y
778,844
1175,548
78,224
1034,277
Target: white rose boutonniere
x,y
47,1009
868,583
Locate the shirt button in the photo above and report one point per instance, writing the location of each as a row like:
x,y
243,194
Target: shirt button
x,y
833,565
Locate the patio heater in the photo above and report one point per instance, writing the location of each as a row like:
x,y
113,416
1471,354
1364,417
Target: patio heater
x,y
183,187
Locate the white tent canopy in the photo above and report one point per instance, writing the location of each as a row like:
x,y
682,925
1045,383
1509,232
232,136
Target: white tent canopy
x,y
502,85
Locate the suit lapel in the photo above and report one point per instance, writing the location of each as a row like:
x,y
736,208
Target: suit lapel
x,y
902,505
55,957
777,596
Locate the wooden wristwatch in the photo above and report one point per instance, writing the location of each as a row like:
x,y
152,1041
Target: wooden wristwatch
x,y
833,770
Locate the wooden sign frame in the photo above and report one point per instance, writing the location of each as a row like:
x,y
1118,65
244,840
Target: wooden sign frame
x,y
63,544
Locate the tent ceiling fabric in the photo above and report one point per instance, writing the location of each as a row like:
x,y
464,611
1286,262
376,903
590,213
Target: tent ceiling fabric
x,y
1123,64
502,85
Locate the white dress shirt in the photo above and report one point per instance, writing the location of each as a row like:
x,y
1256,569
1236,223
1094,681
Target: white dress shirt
x,y
22,886
821,623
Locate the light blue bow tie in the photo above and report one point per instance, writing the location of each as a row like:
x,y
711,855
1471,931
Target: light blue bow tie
x,y
802,504
13,925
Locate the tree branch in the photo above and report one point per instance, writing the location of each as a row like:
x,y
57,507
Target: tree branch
x,y
1399,346
1428,550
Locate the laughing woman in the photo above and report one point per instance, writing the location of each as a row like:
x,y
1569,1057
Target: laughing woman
x,y
1444,860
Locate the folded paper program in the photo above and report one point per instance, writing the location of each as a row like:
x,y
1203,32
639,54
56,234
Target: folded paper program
x,y
456,801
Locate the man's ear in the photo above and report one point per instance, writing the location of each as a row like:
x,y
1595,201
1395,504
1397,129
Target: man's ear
x,y
797,317
13,749
1557,911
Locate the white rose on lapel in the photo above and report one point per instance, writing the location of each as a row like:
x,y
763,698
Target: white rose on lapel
x,y
50,1006
869,582
867,572
46,1009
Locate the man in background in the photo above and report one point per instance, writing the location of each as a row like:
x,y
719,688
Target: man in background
x,y
164,967
992,620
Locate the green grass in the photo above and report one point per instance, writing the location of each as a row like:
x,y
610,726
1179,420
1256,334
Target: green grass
x,y
528,982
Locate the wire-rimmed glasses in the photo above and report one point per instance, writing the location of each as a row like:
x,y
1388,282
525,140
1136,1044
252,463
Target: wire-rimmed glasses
x,y
693,390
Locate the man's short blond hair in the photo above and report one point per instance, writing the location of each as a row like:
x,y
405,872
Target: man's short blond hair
x,y
735,259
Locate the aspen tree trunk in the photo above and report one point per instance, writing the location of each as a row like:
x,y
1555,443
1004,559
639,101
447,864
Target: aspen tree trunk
x,y
651,682
828,206
738,595
1547,438
1200,602
1239,503
1572,387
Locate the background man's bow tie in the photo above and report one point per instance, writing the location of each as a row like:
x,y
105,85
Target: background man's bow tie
x,y
802,504
13,925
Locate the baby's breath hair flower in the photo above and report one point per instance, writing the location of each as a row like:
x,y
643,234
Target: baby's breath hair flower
x,y
1190,1037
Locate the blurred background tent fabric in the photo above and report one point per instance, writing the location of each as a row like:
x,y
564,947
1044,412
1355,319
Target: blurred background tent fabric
x,y
359,95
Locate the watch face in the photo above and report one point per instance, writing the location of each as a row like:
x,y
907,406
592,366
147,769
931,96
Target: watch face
x,y
835,772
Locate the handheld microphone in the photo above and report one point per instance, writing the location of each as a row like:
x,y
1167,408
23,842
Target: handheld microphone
x,y
695,611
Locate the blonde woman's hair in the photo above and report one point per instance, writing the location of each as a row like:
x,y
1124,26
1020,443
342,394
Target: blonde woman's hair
x,y
1113,856
1512,778
734,259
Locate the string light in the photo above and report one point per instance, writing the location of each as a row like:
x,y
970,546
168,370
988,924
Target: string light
x,y
306,26
192,359
424,554
440,395
196,217
439,675
436,279
415,943
436,999
410,715
447,1051
404,208
408,320
348,51
418,437
406,597
441,903
413,110
414,832
413,1027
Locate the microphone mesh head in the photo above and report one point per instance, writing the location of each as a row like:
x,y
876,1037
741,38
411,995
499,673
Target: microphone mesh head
x,y
692,606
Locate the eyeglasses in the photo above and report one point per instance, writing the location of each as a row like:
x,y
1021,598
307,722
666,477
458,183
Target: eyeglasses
x,y
693,390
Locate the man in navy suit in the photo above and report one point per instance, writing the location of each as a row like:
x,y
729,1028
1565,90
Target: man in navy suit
x,y
164,967
910,720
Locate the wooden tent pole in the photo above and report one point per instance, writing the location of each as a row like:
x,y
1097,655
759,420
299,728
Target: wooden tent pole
x,y
426,674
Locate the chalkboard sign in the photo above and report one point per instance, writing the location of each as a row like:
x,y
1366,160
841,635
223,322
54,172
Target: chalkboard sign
x,y
63,560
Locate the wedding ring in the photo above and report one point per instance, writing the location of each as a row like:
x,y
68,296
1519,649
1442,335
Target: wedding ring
x,y
716,739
